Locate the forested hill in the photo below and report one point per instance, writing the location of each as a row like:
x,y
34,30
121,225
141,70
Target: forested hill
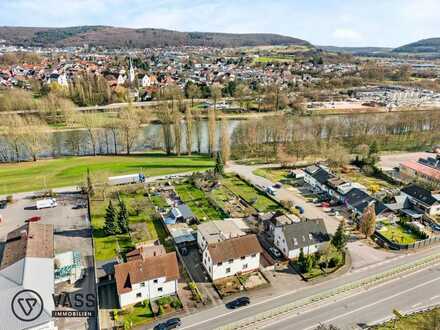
x,y
423,46
115,37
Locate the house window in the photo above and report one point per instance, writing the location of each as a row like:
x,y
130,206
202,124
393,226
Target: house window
x,y
231,261
138,295
155,281
219,263
310,236
228,270
142,283
254,255
245,266
159,289
295,242
242,258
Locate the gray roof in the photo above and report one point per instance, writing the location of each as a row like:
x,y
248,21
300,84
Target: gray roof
x,y
305,233
185,211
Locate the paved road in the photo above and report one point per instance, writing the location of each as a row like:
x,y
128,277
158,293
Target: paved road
x,y
220,316
421,289
310,210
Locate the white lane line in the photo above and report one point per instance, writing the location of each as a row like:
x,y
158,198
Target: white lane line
x,y
416,305
377,302
435,297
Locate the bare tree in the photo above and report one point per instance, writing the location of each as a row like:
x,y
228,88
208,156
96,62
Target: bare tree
x,y
13,133
129,124
177,118
225,141
189,129
165,116
193,91
212,126
35,135
199,131
91,122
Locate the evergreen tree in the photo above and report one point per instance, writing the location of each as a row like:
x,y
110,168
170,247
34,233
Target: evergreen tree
x,y
302,260
122,217
340,239
219,165
110,225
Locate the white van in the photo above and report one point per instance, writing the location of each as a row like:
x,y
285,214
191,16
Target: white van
x,y
46,203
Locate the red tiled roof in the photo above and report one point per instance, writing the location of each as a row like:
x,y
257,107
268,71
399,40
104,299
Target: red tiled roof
x,y
137,271
423,169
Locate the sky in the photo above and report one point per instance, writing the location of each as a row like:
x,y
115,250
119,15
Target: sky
x,y
384,23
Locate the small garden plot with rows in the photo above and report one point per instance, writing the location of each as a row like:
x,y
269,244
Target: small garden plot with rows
x,y
250,194
198,202
231,203
274,175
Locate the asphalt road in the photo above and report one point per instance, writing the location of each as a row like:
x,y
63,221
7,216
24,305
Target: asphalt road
x,y
421,289
218,316
310,210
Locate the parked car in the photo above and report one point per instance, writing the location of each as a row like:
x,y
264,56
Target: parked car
x,y
239,302
274,252
46,203
35,218
300,209
3,204
270,191
169,324
277,185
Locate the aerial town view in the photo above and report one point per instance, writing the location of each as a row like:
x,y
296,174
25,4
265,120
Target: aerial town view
x,y
221,165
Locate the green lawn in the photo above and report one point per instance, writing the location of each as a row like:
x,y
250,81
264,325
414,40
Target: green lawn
x,y
371,183
198,203
137,315
274,175
257,199
419,321
71,171
143,226
398,234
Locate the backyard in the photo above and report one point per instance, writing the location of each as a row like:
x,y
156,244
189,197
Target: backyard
x,y
371,183
398,234
251,195
272,174
143,225
71,171
198,202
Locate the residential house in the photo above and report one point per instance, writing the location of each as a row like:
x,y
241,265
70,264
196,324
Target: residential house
x,y
232,256
427,170
310,235
357,201
317,176
422,199
28,264
149,277
180,213
217,231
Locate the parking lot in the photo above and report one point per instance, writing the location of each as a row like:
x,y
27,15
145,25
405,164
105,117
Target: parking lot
x,y
72,232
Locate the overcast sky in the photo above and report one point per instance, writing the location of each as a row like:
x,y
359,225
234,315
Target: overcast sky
x,y
322,22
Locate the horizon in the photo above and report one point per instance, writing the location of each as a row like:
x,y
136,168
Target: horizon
x,y
374,24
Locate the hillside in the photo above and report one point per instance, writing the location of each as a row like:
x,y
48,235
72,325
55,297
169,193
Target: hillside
x,y
115,37
355,50
423,46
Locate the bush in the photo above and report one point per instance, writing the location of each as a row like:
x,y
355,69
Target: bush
x,y
335,261
10,199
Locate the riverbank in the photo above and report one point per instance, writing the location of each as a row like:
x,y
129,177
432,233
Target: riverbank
x,y
72,171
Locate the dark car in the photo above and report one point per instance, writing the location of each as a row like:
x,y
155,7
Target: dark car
x,y
3,204
35,218
300,209
239,302
169,324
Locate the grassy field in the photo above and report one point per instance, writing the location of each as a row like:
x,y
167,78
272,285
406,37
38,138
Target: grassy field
x,y
274,175
257,199
198,203
138,314
419,321
71,171
398,234
143,226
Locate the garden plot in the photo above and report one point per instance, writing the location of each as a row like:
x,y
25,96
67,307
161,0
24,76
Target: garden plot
x,y
198,202
251,195
230,203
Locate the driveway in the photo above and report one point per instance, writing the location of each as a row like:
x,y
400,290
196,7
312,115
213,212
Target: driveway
x,y
290,194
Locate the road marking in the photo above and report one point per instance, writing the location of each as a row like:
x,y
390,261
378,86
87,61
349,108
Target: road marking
x,y
416,305
435,297
377,302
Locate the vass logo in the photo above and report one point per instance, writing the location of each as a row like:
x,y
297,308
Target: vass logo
x,y
80,305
